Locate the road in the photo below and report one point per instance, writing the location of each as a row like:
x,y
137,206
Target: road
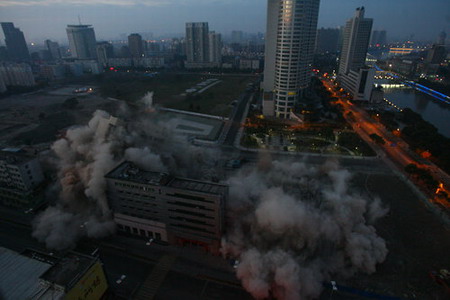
x,y
395,150
236,119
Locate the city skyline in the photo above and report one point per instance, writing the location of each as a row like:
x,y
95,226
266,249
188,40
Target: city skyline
x,y
423,20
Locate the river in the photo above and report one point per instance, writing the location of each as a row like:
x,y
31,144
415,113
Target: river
x,y
430,109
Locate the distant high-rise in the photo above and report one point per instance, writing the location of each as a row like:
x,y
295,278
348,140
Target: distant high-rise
x,y
356,42
290,40
135,44
105,51
15,42
354,76
442,38
53,48
82,41
215,47
197,42
379,37
327,40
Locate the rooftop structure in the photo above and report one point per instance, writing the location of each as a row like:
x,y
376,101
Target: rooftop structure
x,y
39,276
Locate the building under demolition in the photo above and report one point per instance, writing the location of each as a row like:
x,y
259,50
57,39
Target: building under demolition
x,y
179,211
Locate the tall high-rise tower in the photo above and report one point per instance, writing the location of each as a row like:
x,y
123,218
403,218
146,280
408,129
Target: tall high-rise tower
x,y
82,41
215,48
197,42
135,44
15,42
353,75
290,41
356,42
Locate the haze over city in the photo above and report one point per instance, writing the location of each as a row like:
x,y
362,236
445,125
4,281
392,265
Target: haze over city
x,y
42,19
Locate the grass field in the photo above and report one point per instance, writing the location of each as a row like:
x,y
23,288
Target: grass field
x,y
169,90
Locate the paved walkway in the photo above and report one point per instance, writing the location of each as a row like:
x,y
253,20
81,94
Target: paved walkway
x,y
152,283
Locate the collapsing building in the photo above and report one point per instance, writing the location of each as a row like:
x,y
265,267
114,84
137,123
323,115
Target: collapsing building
x,y
40,276
179,211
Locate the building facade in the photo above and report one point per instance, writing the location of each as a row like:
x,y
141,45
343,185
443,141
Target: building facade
x,y
197,44
20,175
53,48
290,41
353,75
17,74
82,42
105,51
135,45
15,42
356,42
215,48
179,211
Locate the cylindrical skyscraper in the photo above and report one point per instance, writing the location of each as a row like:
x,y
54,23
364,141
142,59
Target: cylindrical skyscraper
x,y
290,41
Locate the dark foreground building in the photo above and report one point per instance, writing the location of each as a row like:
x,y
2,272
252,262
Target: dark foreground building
x,y
39,276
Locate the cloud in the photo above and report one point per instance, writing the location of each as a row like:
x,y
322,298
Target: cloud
x,y
5,3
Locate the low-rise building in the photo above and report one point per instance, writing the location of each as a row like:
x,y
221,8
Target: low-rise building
x,y
40,276
358,83
179,211
20,176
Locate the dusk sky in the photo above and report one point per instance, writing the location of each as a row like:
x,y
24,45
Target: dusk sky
x,y
41,19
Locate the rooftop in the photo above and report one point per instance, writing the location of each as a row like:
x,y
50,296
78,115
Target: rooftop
x,y
14,156
19,276
68,270
127,171
198,186
130,172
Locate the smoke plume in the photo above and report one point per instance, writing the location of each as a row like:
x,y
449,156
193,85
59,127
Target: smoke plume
x,y
87,153
294,227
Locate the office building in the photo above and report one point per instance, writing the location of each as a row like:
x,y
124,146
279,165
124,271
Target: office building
x,y
327,40
353,75
356,42
17,74
15,42
41,276
82,42
197,44
105,51
20,175
179,211
379,38
215,48
53,48
135,45
290,41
